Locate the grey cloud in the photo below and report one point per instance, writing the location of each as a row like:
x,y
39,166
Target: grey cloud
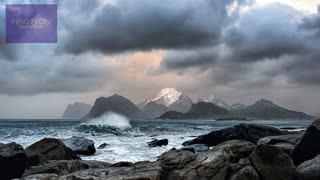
x,y
147,25
59,75
265,33
190,58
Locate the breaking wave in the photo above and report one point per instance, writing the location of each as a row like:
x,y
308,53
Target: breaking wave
x,y
109,122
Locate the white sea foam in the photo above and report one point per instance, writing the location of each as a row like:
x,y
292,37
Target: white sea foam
x,y
109,119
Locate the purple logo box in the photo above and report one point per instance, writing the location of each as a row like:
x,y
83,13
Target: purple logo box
x,y
31,23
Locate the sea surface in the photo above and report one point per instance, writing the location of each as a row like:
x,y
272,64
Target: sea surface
x,y
127,140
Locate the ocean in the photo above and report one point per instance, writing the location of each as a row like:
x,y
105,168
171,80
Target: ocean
x,y
127,140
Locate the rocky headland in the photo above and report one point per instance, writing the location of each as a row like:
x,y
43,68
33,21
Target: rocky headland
x,y
242,152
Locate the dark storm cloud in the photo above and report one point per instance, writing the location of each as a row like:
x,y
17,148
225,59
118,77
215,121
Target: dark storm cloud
x,y
189,58
147,25
265,33
265,43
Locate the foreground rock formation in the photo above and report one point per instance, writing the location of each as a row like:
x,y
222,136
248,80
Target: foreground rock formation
x,y
245,152
249,132
80,145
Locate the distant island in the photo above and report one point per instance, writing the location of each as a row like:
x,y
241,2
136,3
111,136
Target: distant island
x,y
172,104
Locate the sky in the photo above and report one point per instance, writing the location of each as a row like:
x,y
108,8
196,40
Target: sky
x,y
239,50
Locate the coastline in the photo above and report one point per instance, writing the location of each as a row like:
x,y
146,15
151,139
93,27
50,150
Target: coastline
x,y
235,152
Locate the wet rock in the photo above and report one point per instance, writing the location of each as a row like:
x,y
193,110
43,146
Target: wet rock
x,y
41,177
309,170
156,143
246,173
12,161
247,132
272,163
212,164
80,145
122,164
139,171
64,167
102,146
307,148
49,149
285,142
196,148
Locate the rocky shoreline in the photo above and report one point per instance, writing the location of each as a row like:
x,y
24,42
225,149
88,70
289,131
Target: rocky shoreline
x,y
242,152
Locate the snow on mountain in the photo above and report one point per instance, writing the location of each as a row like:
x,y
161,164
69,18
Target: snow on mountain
x,y
173,99
216,101
238,106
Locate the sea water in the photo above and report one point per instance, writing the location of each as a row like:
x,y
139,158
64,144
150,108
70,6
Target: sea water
x,y
127,140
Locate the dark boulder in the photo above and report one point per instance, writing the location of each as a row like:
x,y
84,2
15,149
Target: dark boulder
x,y
309,170
156,142
285,142
80,145
246,173
307,148
196,148
272,163
212,164
102,146
12,161
247,132
49,149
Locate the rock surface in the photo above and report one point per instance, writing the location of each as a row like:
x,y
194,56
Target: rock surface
x,y
80,145
307,148
272,163
248,132
285,142
246,173
12,161
63,167
156,143
212,164
49,149
309,170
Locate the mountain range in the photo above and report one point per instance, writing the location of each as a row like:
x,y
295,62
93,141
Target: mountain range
x,y
172,104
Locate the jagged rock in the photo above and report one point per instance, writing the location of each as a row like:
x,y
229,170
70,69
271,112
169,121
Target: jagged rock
x,y
196,148
139,171
246,173
41,177
12,161
80,145
239,148
247,132
49,149
285,142
272,163
212,164
309,170
64,167
307,148
102,146
156,142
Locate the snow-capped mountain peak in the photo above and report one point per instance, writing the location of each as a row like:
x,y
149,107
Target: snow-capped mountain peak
x,y
168,96
173,99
